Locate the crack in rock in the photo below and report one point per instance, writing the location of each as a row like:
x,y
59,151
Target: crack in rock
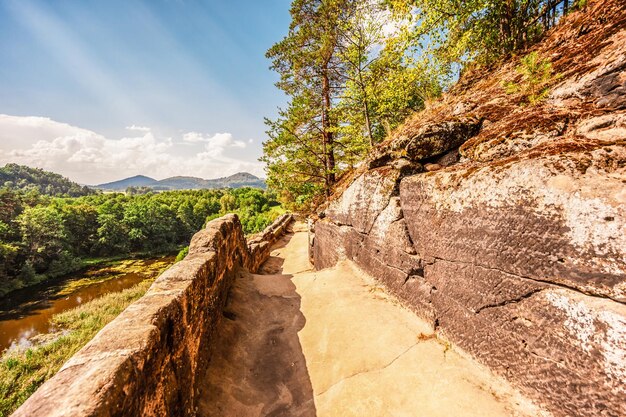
x,y
527,278
369,370
510,301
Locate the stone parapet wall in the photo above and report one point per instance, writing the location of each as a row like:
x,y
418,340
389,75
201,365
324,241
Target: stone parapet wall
x,y
145,362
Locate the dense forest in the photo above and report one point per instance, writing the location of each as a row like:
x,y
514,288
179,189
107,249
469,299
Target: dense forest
x,y
46,236
353,70
25,178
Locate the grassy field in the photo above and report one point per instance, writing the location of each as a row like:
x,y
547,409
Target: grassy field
x,y
23,371
278,210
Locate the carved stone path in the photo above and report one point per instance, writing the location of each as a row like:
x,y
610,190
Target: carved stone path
x,y
298,342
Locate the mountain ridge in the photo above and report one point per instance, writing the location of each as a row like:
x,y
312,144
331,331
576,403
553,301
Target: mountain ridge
x,y
181,182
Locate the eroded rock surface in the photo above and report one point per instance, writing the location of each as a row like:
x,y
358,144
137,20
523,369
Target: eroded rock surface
x,y
513,244
557,218
521,263
427,141
333,343
360,205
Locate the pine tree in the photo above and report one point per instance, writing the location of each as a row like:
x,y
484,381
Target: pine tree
x,y
310,73
350,82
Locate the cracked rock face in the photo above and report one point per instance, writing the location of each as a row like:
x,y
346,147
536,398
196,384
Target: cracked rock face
x,y
558,219
527,258
512,244
565,347
520,262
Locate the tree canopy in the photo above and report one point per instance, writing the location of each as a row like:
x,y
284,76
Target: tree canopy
x,y
354,70
43,236
27,179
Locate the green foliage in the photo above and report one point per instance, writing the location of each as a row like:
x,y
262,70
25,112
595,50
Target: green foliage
x,y
253,206
350,83
24,178
477,31
580,4
302,139
138,190
43,237
182,254
383,83
536,73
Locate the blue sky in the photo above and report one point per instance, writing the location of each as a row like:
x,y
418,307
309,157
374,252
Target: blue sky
x,y
180,78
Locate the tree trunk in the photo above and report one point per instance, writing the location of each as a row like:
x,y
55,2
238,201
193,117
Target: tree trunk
x,y
366,109
327,135
367,122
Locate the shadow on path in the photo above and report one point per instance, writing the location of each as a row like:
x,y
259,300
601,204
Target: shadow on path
x,y
258,367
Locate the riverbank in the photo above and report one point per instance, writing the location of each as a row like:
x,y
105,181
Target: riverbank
x,y
28,312
8,288
23,370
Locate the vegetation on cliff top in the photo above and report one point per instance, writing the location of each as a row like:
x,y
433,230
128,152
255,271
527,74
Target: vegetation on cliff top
x,y
355,70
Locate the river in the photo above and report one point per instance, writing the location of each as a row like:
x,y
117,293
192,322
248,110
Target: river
x,y
27,312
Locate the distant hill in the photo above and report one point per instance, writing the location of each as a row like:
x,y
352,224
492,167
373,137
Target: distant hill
x,y
25,178
136,181
241,179
238,180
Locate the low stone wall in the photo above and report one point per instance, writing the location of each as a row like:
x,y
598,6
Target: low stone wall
x,y
144,362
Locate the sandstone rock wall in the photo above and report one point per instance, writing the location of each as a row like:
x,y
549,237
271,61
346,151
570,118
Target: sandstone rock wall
x,y
512,245
522,264
144,362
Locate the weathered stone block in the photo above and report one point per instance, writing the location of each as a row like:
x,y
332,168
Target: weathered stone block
x,y
427,141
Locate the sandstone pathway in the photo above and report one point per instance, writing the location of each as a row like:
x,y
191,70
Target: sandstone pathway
x,y
298,342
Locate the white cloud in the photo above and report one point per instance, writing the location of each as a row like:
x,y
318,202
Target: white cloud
x,y
138,128
193,137
214,145
90,158
219,139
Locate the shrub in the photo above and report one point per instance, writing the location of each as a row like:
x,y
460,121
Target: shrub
x,y
536,74
181,255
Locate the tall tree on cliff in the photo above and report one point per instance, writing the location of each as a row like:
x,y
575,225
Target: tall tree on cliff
x,y
350,82
302,143
383,83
